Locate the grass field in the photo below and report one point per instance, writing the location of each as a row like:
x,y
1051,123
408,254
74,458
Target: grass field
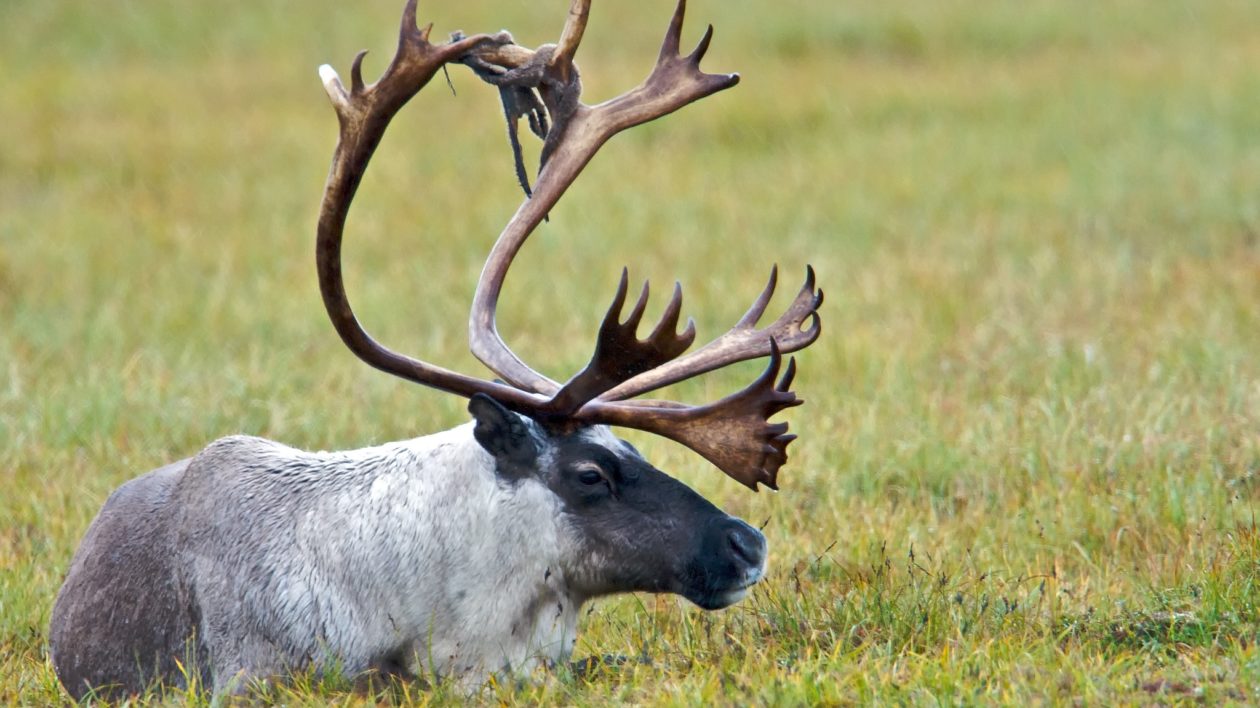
x,y
1030,459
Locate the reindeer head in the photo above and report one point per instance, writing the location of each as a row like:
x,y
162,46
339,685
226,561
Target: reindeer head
x,y
626,525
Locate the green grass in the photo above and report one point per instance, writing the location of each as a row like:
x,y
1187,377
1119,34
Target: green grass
x,y
1029,460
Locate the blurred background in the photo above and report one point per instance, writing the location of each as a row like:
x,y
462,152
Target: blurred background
x,y
1037,225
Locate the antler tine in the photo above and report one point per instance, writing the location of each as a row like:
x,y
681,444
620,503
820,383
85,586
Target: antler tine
x,y
758,308
669,319
364,112
577,134
640,306
796,328
571,36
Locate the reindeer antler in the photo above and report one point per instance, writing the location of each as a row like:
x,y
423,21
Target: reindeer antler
x,y
733,433
577,132
363,113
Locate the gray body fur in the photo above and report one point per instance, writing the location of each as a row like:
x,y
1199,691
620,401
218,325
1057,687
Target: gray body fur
x,y
409,557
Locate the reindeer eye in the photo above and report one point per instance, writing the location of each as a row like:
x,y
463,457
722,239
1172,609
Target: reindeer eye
x,y
590,473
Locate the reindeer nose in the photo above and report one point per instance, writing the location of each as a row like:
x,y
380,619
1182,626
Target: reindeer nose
x,y
747,543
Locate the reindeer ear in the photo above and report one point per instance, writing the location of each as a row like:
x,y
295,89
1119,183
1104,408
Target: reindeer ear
x,y
503,434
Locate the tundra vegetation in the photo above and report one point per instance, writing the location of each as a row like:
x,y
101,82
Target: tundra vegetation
x,y
1028,466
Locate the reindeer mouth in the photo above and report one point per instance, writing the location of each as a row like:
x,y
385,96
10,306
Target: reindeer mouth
x,y
732,597
725,597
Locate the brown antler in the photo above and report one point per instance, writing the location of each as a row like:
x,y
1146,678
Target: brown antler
x,y
363,113
733,433
744,341
673,83
578,131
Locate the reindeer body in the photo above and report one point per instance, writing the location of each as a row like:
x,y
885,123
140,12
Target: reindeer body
x,y
415,551
408,557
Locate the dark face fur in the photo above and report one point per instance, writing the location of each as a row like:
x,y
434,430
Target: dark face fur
x,y
641,529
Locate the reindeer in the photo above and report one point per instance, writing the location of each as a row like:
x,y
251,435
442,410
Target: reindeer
x,y
466,553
